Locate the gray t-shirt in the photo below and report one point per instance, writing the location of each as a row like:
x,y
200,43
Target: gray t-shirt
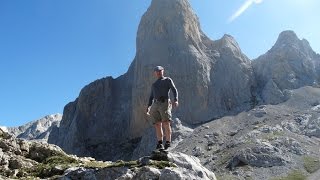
x,y
161,88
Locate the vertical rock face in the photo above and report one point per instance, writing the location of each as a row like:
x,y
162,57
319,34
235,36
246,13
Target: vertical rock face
x,y
213,78
206,73
97,120
290,63
169,35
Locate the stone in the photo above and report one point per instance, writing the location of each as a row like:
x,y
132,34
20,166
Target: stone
x,y
148,173
189,167
263,155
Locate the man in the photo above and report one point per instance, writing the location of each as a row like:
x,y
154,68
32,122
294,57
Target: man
x,y
160,111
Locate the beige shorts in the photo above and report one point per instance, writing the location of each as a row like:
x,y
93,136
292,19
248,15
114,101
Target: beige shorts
x,y
161,111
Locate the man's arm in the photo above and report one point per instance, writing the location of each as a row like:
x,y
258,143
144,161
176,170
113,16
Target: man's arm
x,y
174,91
150,101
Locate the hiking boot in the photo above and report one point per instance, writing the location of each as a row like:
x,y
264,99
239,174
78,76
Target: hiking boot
x,y
167,145
160,146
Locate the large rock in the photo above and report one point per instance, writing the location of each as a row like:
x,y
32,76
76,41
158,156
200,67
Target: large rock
x,y
110,112
181,166
289,64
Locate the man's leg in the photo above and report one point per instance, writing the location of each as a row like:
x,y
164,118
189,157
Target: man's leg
x,y
159,134
159,131
167,131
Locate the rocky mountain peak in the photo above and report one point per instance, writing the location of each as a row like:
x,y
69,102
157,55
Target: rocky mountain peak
x,y
287,37
169,20
289,64
289,40
230,43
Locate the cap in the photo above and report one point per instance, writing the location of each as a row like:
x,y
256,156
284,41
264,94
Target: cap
x,y
158,68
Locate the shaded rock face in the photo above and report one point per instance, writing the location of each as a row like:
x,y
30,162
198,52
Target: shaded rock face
x,y
37,130
110,111
289,64
97,121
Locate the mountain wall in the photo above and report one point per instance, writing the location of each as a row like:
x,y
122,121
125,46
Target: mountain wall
x,y
213,78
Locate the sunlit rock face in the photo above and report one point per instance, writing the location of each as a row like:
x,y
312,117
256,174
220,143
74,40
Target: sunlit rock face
x,y
289,64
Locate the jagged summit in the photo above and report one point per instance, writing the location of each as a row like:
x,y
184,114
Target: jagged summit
x,y
287,37
168,21
290,41
289,64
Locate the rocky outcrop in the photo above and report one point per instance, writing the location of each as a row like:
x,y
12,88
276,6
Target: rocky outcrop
x,y
261,155
38,129
21,159
289,64
180,166
109,112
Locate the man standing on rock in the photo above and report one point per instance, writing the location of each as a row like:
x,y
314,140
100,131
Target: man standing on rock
x,y
160,111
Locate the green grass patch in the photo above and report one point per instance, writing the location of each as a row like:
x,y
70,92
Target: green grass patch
x,y
162,164
129,164
96,164
60,160
311,164
294,175
54,165
273,135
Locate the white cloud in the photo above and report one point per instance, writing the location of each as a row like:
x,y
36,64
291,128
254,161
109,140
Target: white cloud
x,y
243,8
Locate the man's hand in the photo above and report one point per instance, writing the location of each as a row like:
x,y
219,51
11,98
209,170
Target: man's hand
x,y
148,111
175,104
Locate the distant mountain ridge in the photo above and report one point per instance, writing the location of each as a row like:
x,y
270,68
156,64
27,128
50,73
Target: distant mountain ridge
x,y
37,129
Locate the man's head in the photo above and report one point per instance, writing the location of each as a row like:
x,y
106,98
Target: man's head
x,y
158,71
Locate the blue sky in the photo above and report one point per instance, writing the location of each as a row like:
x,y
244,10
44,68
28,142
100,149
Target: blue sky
x,y
50,49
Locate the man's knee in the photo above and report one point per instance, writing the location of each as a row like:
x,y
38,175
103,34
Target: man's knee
x,y
157,125
166,123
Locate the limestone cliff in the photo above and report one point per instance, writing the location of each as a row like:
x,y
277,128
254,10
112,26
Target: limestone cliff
x,y
289,64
